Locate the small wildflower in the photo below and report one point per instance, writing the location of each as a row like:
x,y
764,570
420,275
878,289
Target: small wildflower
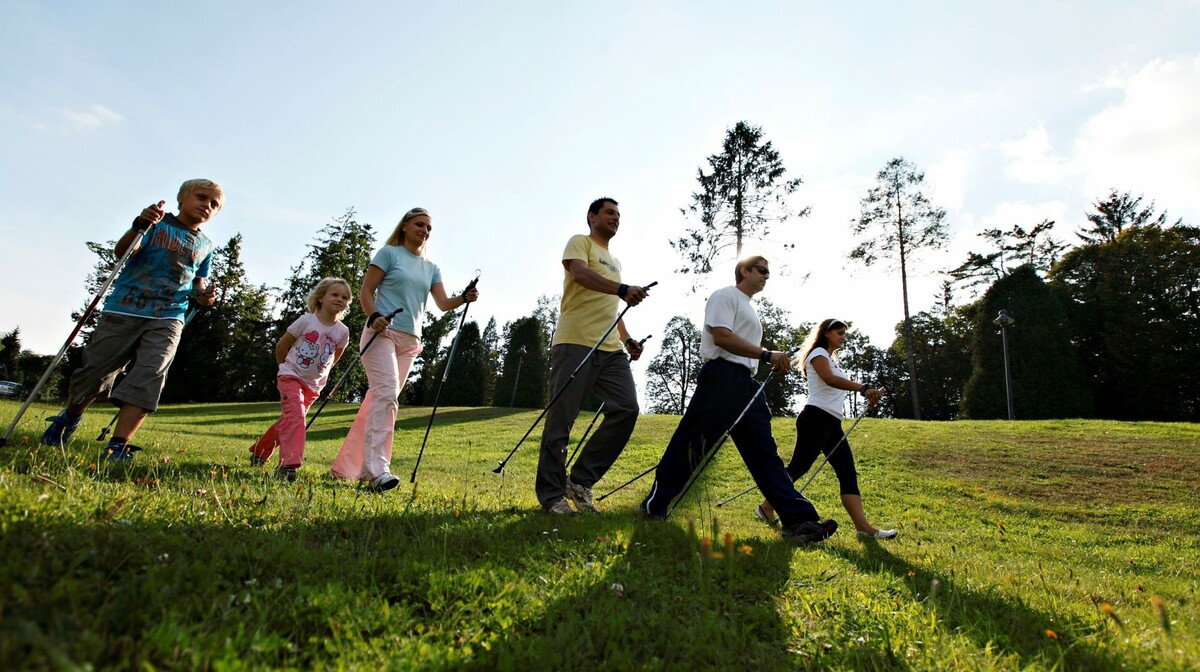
x,y
911,573
718,555
1161,608
1108,610
729,542
92,466
745,549
617,588
706,547
1052,635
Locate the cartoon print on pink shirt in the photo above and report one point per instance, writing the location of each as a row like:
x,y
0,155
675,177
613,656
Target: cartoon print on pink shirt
x,y
307,350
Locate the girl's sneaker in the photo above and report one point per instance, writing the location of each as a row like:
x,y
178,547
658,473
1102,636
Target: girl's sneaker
x,y
62,426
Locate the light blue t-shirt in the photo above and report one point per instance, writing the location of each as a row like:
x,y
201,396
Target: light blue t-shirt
x,y
407,280
157,279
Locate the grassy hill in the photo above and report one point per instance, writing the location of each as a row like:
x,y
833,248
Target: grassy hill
x,y
1026,545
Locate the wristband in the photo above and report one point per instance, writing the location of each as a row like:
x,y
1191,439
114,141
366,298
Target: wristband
x,y
622,291
765,356
373,317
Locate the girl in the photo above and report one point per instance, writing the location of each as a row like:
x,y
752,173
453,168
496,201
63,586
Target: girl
x,y
306,352
399,277
819,425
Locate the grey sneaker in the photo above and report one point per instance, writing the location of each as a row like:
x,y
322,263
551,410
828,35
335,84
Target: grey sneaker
x,y
581,497
289,474
810,532
560,508
383,483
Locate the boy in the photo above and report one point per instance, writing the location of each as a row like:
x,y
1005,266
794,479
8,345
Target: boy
x,y
143,317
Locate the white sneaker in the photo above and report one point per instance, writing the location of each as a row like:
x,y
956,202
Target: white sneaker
x,y
383,483
765,517
560,508
581,497
879,534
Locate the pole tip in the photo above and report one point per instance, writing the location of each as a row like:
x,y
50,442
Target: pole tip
x,y
499,469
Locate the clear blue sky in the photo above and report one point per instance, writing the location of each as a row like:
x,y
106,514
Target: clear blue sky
x,y
506,119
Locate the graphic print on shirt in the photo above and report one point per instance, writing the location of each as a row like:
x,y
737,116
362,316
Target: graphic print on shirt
x,y
310,352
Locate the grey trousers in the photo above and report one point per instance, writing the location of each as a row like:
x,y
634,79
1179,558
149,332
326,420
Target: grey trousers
x,y
605,375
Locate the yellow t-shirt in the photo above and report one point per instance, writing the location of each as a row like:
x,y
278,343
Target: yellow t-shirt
x,y
585,314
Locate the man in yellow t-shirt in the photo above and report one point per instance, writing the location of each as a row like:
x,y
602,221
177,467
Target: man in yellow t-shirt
x,y
592,292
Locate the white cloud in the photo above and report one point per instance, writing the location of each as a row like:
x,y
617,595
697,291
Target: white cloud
x,y
89,119
1148,142
946,178
1032,159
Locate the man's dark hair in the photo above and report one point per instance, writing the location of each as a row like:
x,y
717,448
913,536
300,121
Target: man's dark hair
x,y
594,208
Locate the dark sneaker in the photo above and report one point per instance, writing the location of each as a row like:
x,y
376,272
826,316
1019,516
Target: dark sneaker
x,y
118,452
810,532
62,426
256,461
289,474
383,483
581,497
645,511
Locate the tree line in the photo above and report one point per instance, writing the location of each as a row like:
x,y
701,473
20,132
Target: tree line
x,y
1106,328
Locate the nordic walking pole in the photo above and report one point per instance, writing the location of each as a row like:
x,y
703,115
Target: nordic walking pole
x,y
346,374
716,446
831,452
78,326
593,422
187,318
626,484
500,469
445,372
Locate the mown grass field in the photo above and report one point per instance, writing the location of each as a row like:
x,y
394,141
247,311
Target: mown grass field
x,y
1066,545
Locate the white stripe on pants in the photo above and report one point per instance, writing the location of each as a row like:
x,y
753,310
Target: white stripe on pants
x,y
367,450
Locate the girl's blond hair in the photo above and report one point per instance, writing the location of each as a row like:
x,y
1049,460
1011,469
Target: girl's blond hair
x,y
322,288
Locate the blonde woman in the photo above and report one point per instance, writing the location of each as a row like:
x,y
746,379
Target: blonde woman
x,y
399,277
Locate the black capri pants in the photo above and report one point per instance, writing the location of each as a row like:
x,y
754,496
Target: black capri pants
x,y
817,432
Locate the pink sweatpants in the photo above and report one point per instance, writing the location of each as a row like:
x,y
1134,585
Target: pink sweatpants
x,y
367,451
295,398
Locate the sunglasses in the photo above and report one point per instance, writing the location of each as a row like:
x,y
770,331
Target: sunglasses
x,y
761,269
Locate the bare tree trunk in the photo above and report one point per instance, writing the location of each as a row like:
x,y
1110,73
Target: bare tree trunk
x,y
908,336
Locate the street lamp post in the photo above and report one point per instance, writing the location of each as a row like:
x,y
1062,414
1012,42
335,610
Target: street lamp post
x,y
1005,321
520,360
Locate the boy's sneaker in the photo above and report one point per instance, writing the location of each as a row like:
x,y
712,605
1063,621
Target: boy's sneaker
x,y
581,497
383,483
116,451
560,508
289,474
62,426
809,532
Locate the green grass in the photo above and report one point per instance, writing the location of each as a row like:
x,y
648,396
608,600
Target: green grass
x,y
1028,545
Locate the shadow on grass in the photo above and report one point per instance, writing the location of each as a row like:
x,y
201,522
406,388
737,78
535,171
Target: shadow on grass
x,y
373,582
990,619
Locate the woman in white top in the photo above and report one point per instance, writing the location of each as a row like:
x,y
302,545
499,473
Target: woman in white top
x,y
399,277
819,425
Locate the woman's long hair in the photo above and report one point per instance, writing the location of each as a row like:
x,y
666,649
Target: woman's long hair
x,y
818,338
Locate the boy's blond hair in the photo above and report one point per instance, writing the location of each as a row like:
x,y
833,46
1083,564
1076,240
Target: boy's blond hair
x,y
322,288
200,183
